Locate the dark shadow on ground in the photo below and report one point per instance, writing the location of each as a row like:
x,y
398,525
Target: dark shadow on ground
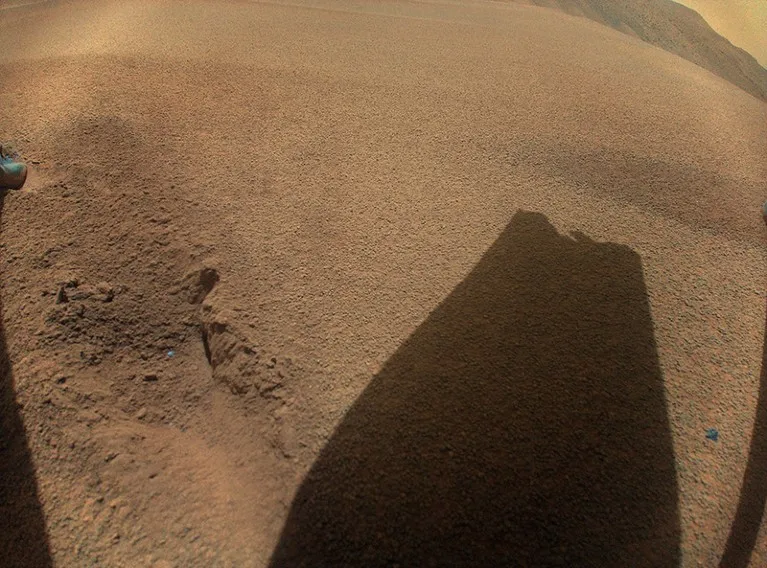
x,y
523,423
23,539
753,495
703,199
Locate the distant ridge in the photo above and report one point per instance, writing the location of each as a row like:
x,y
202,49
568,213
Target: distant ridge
x,y
676,29
743,22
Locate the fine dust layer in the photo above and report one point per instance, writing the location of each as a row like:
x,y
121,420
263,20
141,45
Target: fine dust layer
x,y
364,284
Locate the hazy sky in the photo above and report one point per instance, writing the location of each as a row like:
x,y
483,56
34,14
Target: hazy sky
x,y
743,22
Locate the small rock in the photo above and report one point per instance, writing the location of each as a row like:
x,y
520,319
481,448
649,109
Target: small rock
x,y
61,296
199,283
124,512
81,294
106,290
141,414
150,377
88,416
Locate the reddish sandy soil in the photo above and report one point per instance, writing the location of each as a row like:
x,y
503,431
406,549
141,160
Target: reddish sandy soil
x,y
375,284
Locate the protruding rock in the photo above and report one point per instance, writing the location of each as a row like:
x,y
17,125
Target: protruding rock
x,y
61,296
198,283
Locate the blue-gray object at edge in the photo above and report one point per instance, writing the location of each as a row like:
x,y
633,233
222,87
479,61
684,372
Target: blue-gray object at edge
x,y
13,174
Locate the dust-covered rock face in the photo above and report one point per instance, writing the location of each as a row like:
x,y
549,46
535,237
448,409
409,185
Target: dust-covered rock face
x,y
198,283
236,362
234,358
